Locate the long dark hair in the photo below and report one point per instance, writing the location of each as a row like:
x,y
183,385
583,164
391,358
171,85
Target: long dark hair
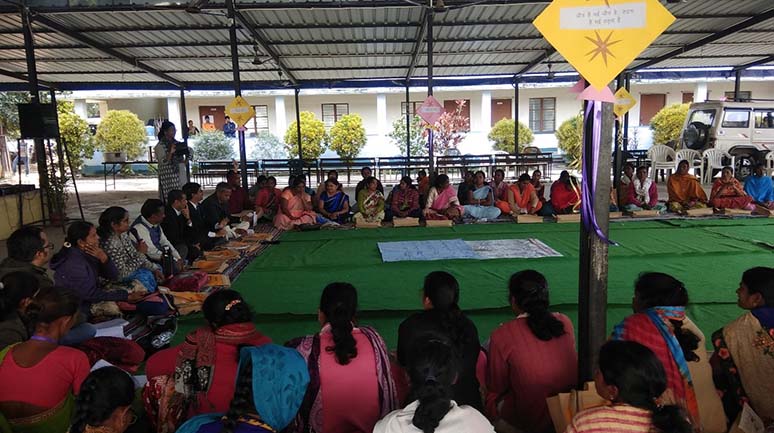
x,y
443,290
52,304
242,403
164,126
433,366
78,231
104,390
640,378
529,290
108,217
226,307
656,289
16,286
339,304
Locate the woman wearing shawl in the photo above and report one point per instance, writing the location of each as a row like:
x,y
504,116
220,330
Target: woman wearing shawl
x,y
269,390
760,188
295,206
565,196
728,193
350,386
624,184
659,323
643,193
267,199
685,191
743,361
405,200
333,203
198,375
481,200
522,198
39,377
169,159
442,201
370,202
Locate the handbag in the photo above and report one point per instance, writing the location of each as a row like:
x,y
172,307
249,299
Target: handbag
x,y
189,281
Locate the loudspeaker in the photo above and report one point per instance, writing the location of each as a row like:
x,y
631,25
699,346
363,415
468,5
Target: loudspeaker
x,y
38,121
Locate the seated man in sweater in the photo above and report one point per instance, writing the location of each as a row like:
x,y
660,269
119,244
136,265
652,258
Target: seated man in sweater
x,y
178,227
148,228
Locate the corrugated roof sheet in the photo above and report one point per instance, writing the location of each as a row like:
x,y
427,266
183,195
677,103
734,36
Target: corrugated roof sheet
x,y
348,40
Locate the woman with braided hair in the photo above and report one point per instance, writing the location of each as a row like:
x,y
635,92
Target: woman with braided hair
x,y
104,403
433,366
270,387
530,358
442,318
659,322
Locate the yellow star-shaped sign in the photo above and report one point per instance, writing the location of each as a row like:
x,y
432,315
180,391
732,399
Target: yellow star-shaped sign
x,y
624,102
240,111
600,38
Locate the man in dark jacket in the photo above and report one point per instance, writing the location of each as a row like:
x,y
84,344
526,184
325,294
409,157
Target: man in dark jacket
x,y
178,227
28,251
201,233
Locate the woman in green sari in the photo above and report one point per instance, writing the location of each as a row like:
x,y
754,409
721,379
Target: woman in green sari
x,y
38,377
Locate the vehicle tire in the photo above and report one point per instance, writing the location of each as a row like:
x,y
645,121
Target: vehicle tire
x,y
743,165
695,135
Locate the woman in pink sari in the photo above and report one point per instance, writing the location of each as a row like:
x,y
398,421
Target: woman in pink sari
x,y
295,206
442,201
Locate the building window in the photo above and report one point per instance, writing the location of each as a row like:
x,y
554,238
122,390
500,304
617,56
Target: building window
x,y
92,110
413,104
542,114
687,97
259,122
744,96
331,113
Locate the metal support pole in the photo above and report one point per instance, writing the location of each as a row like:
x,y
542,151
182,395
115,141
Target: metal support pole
x,y
430,137
592,294
298,131
232,34
628,87
184,127
516,119
408,130
737,84
617,153
32,74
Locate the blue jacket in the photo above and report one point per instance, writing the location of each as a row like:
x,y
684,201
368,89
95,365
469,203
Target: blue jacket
x,y
79,272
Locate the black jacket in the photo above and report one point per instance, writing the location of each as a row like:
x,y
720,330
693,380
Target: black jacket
x,y
176,228
213,211
433,323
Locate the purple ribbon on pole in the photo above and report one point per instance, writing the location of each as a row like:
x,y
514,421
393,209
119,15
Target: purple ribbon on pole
x,y
589,170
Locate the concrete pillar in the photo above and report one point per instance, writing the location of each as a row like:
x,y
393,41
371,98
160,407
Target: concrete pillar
x,y
280,119
486,111
700,94
173,115
80,108
381,114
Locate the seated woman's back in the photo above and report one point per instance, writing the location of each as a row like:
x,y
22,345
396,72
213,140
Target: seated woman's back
x,y
351,387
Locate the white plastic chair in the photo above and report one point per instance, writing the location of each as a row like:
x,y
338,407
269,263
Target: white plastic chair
x,y
661,158
769,163
712,159
692,156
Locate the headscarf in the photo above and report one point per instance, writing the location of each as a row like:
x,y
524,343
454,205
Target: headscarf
x,y
280,378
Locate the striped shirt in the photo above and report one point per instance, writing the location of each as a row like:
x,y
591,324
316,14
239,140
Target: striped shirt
x,y
612,419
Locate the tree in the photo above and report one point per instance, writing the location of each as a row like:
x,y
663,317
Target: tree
x,y
75,133
418,143
502,135
570,137
449,130
268,146
314,139
121,131
348,136
9,113
212,146
667,124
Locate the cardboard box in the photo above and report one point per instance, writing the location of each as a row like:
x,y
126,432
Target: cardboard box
x,y
529,219
368,225
570,218
616,215
405,222
700,212
439,223
646,213
736,212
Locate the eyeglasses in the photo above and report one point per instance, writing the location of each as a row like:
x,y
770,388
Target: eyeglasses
x,y
49,246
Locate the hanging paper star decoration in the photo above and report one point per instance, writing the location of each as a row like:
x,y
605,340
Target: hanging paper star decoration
x,y
602,47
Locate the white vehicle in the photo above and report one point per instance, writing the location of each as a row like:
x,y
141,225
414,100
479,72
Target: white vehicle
x,y
743,129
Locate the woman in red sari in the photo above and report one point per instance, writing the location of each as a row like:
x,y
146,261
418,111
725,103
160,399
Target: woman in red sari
x,y
198,375
267,200
728,193
565,196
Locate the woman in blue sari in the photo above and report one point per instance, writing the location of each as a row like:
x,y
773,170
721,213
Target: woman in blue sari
x,y
760,188
270,387
481,200
333,203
